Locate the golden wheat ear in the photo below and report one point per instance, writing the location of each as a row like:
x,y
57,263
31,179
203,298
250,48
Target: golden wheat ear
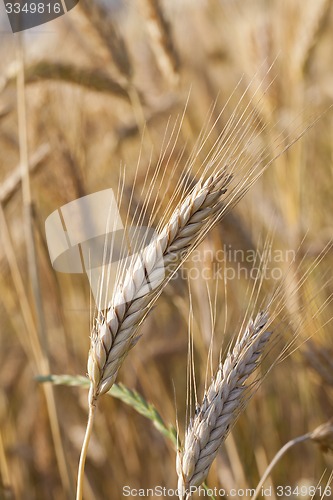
x,y
113,337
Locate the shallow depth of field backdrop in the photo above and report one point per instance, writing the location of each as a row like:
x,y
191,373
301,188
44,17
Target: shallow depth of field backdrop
x,y
101,88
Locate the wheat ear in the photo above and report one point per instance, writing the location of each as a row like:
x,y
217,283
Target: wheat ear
x,y
221,405
115,331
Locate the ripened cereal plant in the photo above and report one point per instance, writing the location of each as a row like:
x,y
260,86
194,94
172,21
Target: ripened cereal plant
x,y
210,121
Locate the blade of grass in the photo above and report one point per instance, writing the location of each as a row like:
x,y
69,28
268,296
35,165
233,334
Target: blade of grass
x,y
129,396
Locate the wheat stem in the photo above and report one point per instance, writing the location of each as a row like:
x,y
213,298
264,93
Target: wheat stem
x,y
322,436
275,460
85,445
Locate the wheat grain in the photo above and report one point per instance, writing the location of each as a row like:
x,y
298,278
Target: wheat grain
x,y
221,404
115,331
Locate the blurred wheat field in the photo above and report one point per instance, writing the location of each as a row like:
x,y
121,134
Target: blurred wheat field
x,y
105,87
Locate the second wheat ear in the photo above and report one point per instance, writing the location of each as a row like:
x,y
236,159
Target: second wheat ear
x,y
220,407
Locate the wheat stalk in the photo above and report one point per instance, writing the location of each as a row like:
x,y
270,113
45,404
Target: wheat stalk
x,y
322,436
220,407
159,31
111,37
115,331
